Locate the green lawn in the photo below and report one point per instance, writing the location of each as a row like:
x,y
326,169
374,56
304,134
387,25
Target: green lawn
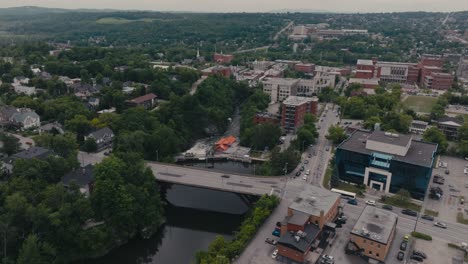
x,y
117,20
420,103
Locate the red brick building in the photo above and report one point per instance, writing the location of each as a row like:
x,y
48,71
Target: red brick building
x,y
307,217
294,109
223,58
221,70
438,81
305,67
264,117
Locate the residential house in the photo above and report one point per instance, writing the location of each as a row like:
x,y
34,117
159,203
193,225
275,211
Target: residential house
x,y
29,154
103,137
53,128
22,117
449,126
83,177
148,101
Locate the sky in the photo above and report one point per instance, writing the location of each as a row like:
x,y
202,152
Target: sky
x,y
252,5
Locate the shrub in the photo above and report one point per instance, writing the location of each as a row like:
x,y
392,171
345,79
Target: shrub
x,y
421,236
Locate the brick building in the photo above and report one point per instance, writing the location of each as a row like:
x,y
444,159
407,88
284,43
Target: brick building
x,y
304,67
438,81
307,216
223,58
294,109
373,234
265,117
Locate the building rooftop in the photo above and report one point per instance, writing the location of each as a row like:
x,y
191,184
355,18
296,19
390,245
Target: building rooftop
x,y
143,98
101,133
390,138
81,176
419,153
365,62
32,153
313,200
280,81
448,120
375,224
373,81
300,241
298,100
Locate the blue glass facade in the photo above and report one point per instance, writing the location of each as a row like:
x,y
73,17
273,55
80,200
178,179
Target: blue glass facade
x,y
351,167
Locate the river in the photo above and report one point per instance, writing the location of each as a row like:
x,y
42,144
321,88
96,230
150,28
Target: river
x,y
194,217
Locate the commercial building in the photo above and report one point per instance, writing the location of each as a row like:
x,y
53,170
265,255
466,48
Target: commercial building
x,y
449,126
418,127
405,73
294,109
386,161
374,232
307,216
438,81
279,88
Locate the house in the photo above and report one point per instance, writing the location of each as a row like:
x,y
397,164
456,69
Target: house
x,y
93,102
31,153
148,101
103,137
22,117
53,128
83,177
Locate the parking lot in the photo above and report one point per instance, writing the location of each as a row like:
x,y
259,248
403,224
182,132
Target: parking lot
x,y
437,251
454,187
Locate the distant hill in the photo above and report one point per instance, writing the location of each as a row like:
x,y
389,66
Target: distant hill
x,y
300,11
36,10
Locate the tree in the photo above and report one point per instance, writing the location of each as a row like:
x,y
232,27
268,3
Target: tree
x,y
78,124
371,121
90,145
30,252
434,135
264,135
437,111
336,134
11,144
463,132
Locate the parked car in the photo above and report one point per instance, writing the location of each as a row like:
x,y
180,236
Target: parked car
x,y
440,224
420,253
447,172
306,161
403,245
274,254
298,173
276,233
353,201
370,202
387,207
400,255
307,172
409,212
270,241
327,148
302,168
417,258
304,177
428,217
310,155
406,237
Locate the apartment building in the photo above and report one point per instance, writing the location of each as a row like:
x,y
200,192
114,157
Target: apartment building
x,y
294,109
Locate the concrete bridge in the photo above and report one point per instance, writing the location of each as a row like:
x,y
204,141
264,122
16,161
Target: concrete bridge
x,y
217,180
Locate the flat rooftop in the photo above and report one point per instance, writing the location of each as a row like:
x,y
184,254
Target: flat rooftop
x,y
419,153
390,138
375,224
373,81
304,242
365,62
313,200
298,100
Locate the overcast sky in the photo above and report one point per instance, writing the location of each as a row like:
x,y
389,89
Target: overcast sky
x,y
252,5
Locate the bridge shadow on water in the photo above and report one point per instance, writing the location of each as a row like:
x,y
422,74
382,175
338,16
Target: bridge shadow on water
x,y
194,217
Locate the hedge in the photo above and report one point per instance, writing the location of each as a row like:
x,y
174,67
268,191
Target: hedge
x,y
421,236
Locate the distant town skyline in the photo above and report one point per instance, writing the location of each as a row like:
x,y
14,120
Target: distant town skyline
x,y
252,6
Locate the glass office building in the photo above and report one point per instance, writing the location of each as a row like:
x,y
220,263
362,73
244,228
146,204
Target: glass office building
x,y
386,161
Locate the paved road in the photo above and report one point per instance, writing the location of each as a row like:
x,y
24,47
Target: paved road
x,y
290,24
258,252
195,85
253,49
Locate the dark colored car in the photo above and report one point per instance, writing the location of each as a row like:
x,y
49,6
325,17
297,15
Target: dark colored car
x,y
298,173
400,256
417,258
420,253
403,245
409,212
302,168
428,217
310,156
306,161
447,172
387,207
352,201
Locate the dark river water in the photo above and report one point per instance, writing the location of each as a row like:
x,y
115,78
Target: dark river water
x,y
195,217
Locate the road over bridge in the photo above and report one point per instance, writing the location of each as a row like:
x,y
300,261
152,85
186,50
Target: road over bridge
x,y
217,180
